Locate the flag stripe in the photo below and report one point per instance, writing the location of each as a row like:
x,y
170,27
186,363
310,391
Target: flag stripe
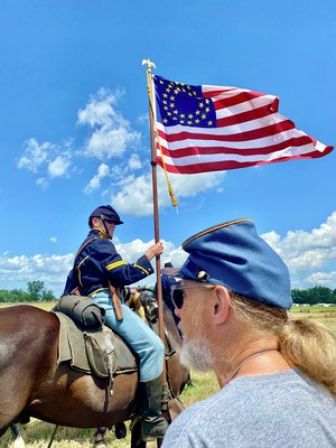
x,y
238,157
230,133
243,117
198,150
236,99
247,106
243,136
219,165
238,145
254,145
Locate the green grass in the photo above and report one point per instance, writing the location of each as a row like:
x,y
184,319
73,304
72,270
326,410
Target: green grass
x,y
315,309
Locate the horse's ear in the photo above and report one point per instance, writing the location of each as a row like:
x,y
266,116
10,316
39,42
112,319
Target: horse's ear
x,y
221,306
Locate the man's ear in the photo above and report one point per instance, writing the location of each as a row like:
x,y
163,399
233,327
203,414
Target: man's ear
x,y
95,221
222,303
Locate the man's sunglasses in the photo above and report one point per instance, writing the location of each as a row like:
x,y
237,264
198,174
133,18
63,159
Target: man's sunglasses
x,y
177,293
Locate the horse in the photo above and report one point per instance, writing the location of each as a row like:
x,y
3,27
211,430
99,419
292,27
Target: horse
x,y
33,385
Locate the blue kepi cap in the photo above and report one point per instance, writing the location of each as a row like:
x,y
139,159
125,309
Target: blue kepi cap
x,y
107,213
235,256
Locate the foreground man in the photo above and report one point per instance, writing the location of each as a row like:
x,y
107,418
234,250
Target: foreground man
x,y
278,375
96,263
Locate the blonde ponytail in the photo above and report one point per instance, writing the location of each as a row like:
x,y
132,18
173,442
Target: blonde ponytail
x,y
305,343
310,346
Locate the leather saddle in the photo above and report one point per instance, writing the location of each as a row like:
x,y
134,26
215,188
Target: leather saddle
x,y
92,348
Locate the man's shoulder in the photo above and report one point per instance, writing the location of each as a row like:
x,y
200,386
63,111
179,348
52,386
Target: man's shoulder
x,y
100,242
184,431
250,406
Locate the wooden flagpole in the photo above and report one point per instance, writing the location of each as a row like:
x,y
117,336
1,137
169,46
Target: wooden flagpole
x,y
151,65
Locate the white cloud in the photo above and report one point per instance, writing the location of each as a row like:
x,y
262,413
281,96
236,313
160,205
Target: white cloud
x,y
112,133
17,271
99,111
58,167
135,194
189,185
95,181
52,160
143,119
53,239
327,279
34,154
306,252
133,250
311,257
42,182
134,162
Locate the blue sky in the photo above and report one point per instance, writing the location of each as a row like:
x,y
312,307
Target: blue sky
x,y
74,127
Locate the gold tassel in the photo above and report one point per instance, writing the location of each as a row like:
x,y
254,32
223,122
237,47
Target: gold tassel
x,y
172,194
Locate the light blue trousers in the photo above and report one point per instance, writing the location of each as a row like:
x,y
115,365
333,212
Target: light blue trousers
x,y
136,333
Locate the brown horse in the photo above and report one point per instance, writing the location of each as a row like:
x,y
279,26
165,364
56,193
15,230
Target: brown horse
x,y
31,384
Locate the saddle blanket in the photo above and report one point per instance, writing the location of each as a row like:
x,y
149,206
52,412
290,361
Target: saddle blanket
x,y
100,352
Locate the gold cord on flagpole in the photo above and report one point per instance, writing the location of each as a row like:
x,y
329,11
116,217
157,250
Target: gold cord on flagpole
x,y
150,64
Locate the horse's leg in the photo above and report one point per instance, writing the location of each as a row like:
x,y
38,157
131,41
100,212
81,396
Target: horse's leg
x,y
18,440
120,430
99,438
136,441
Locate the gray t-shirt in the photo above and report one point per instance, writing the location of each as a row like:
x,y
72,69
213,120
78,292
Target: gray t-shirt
x,y
286,410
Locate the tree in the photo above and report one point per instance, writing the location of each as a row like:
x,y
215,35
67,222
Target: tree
x,y
35,290
312,296
47,296
15,295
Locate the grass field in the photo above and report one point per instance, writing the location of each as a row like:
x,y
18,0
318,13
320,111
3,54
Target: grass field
x,y
36,434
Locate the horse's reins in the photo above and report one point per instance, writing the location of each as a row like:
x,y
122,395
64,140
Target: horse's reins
x,y
52,436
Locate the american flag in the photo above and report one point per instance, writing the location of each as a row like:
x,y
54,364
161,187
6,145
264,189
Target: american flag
x,y
211,128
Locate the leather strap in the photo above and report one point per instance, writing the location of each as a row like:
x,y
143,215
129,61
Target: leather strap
x,y
115,301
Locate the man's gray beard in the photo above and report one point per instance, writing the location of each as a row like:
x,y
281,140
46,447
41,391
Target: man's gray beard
x,y
195,354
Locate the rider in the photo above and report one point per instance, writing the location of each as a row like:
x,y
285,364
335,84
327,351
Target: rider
x,y
96,263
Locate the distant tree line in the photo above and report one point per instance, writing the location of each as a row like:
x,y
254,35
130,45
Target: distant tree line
x,y
36,292
312,296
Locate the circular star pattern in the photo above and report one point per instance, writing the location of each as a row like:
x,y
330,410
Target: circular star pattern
x,y
183,104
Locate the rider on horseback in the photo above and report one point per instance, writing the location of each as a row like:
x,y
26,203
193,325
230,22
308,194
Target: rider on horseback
x,y
96,264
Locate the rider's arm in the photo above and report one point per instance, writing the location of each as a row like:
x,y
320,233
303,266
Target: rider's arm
x,y
119,271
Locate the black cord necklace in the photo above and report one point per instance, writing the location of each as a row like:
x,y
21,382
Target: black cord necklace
x,y
244,361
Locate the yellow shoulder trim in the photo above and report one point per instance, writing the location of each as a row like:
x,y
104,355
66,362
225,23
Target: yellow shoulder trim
x,y
136,265
115,265
79,274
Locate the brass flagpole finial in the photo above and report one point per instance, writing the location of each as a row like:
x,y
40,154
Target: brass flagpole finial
x,y
149,64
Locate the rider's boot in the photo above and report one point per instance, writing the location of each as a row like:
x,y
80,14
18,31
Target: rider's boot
x,y
154,425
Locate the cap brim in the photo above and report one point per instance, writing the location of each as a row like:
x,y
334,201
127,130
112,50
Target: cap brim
x,y
114,222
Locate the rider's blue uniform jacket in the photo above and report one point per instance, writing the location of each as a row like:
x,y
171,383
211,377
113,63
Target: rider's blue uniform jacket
x,y
97,261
